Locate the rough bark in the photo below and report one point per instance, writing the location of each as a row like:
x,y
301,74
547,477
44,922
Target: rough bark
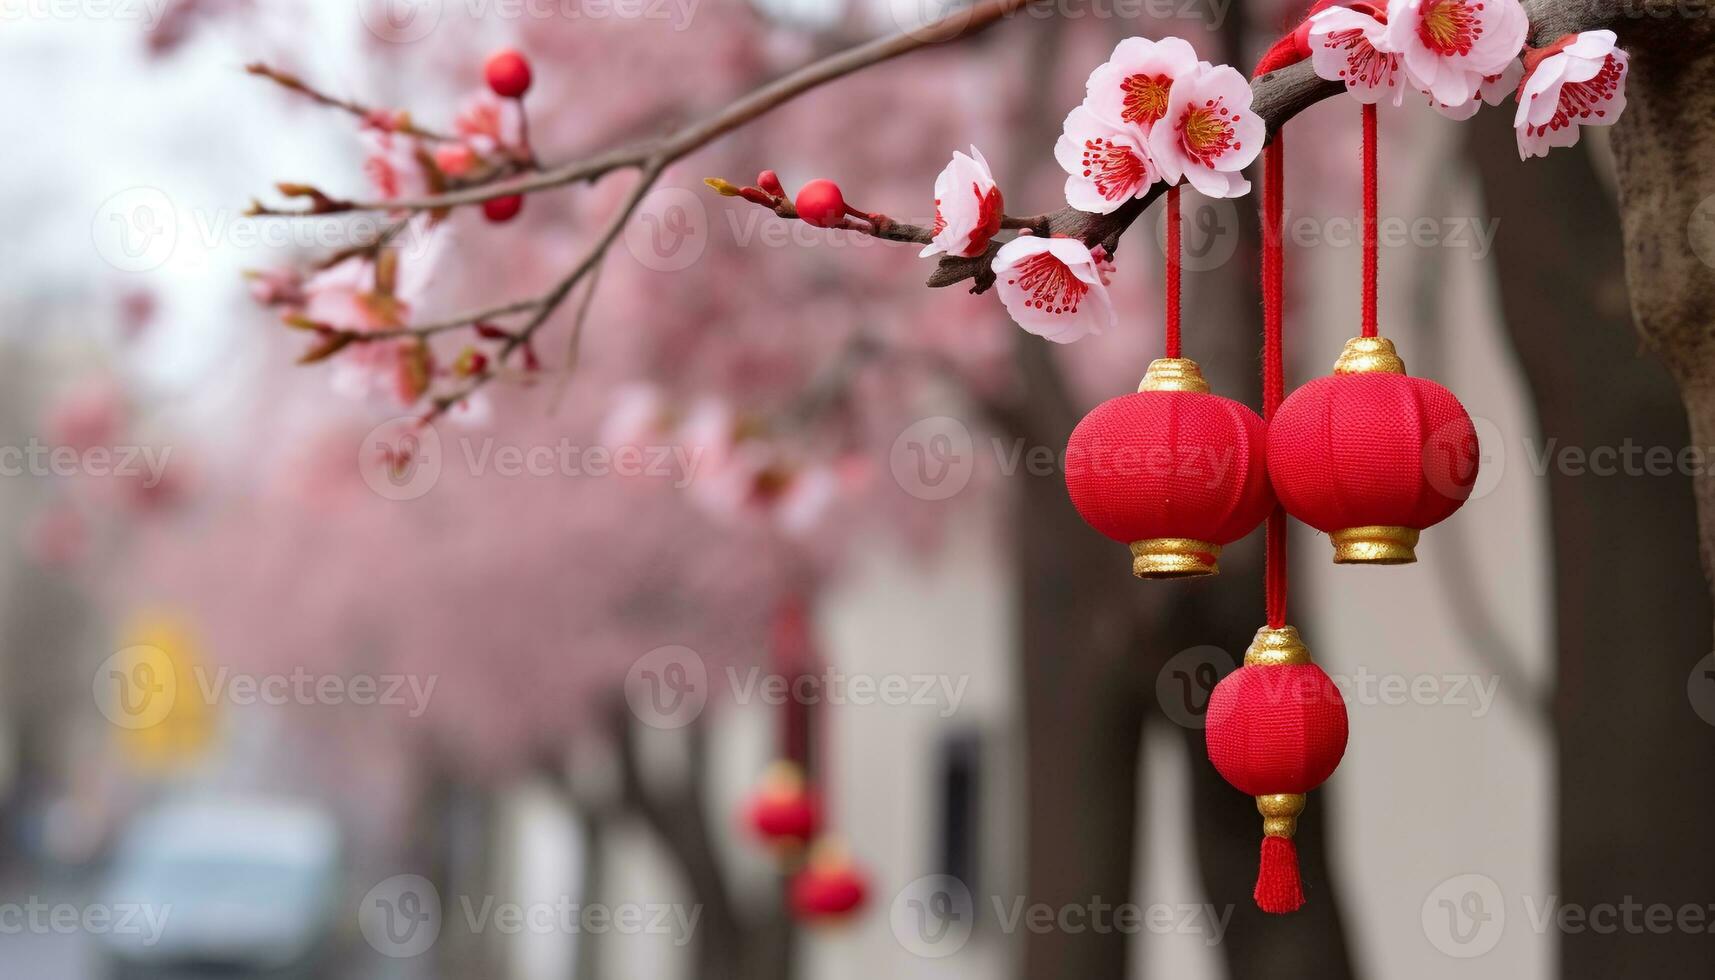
x,y
1631,617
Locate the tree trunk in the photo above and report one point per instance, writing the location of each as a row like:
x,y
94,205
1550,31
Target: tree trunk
x,y
1631,617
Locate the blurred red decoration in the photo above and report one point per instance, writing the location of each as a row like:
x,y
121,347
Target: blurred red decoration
x,y
1171,470
1276,729
820,203
830,889
1372,456
508,73
783,812
503,209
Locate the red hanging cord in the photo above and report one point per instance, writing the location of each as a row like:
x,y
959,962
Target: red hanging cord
x,y
1369,311
1173,274
1273,370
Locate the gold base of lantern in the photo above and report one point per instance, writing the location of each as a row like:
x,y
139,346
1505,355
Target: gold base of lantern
x,y
1367,355
1174,557
1174,374
1277,647
1375,544
1280,813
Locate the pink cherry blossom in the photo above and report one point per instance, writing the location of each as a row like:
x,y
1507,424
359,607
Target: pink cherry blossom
x,y
1494,90
1131,87
638,416
280,286
488,123
1209,133
1576,81
1450,46
1053,287
1107,164
967,207
1346,46
393,165
345,297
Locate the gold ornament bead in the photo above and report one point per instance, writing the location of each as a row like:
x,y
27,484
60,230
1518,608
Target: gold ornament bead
x,y
1277,647
1174,374
1161,558
1375,544
1280,813
1365,355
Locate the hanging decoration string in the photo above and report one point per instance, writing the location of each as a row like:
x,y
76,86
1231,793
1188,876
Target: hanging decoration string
x,y
1369,311
1173,271
1273,371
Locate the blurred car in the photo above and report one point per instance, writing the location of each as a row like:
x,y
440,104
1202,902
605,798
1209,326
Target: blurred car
x,y
223,888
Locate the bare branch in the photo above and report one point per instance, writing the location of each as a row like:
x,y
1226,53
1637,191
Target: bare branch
x,y
961,23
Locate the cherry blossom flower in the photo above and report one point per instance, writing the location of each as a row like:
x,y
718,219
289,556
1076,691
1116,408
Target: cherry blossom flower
x,y
1209,133
393,165
489,124
1131,88
1346,46
345,297
1494,90
1579,80
1054,287
639,415
967,207
1107,164
1449,47
280,286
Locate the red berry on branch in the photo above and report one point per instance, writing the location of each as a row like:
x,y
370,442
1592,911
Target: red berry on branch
x,y
820,203
770,182
508,73
503,209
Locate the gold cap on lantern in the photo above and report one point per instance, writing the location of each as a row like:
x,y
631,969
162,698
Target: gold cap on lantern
x,y
1375,544
1161,558
1364,355
1276,647
1174,374
1280,813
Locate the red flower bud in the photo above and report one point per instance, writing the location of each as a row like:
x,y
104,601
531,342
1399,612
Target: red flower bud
x,y
503,209
770,182
508,73
489,331
455,159
820,203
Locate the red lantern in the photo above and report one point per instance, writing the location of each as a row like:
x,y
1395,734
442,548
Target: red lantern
x,y
831,888
1276,729
783,813
1372,456
1172,471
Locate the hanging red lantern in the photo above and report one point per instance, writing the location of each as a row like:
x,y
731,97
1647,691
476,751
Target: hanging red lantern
x,y
1172,471
1371,456
1276,729
783,812
831,888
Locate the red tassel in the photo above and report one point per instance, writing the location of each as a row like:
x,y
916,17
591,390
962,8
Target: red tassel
x,y
1278,889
